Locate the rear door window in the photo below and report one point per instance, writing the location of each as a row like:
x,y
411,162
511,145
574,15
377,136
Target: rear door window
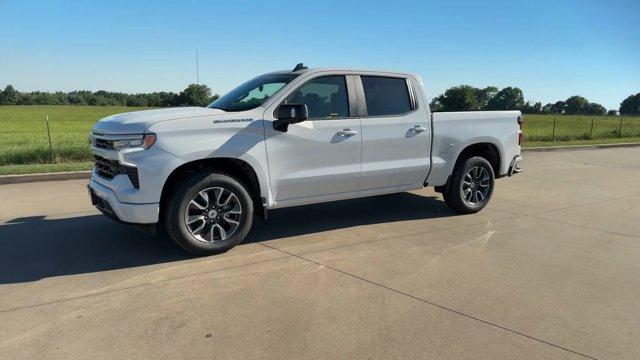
x,y
386,96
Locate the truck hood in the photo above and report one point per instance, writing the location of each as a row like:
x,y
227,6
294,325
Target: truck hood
x,y
139,121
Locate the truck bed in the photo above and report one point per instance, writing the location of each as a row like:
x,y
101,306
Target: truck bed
x,y
453,131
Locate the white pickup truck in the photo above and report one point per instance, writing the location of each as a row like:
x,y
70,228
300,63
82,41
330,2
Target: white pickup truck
x,y
289,138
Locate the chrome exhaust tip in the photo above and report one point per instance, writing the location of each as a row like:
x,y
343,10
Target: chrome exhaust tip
x,y
515,167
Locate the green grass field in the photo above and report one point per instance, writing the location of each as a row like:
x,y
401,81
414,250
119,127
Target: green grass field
x,y
24,143
24,139
45,168
539,128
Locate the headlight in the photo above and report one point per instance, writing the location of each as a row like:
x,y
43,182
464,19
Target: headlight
x,y
145,141
149,140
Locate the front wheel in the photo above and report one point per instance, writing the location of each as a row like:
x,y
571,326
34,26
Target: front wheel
x,y
471,186
209,213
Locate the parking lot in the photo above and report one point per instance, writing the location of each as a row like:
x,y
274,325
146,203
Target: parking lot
x,y
550,270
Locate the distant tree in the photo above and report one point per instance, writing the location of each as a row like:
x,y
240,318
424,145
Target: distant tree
x,y
136,101
509,98
24,99
435,105
195,95
594,109
547,109
612,112
527,108
630,105
164,98
536,108
559,107
192,95
458,98
576,105
483,96
9,96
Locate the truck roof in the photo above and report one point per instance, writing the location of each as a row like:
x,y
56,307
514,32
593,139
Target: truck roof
x,y
345,70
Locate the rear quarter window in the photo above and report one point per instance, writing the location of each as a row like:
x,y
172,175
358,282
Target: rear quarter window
x,y
386,96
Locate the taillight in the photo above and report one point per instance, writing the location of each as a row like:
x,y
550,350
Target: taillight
x,y
520,134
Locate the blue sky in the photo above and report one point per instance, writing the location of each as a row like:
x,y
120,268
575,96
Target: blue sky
x,y
550,49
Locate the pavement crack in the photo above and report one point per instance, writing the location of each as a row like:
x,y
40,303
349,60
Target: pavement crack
x,y
432,303
575,182
581,205
587,227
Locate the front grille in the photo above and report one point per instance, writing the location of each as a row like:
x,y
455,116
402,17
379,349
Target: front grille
x,y
105,167
108,169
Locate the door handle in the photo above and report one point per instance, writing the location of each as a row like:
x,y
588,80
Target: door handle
x,y
418,128
347,132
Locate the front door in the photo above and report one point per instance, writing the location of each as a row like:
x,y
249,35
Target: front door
x,y
322,155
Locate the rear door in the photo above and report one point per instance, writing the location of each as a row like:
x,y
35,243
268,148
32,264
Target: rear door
x,y
396,132
322,155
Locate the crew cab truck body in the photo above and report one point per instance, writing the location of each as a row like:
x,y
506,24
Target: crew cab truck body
x,y
292,138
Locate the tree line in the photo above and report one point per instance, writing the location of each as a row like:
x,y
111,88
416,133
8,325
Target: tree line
x,y
193,95
469,98
457,98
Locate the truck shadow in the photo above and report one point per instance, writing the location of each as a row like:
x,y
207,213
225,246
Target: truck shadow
x,y
315,218
34,248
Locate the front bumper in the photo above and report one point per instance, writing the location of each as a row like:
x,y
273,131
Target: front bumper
x,y
105,200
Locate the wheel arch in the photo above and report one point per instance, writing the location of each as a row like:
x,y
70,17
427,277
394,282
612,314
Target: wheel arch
x,y
486,149
237,168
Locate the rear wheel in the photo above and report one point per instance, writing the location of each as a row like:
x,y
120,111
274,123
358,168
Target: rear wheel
x,y
209,213
471,186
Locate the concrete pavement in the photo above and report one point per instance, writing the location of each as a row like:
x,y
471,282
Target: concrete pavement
x,y
548,271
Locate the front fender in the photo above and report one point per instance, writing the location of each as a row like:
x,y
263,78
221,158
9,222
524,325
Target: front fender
x,y
196,139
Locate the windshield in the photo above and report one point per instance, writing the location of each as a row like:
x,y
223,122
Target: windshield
x,y
253,93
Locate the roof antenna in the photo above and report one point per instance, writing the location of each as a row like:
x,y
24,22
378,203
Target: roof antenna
x,y
300,66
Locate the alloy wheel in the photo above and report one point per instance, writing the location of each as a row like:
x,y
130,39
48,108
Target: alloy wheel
x,y
213,215
476,185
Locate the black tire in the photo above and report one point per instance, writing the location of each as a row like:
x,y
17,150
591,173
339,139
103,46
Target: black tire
x,y
174,220
454,196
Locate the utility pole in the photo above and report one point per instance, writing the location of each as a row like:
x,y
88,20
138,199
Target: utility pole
x,y
197,68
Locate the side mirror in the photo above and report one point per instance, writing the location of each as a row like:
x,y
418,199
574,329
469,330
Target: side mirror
x,y
290,114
